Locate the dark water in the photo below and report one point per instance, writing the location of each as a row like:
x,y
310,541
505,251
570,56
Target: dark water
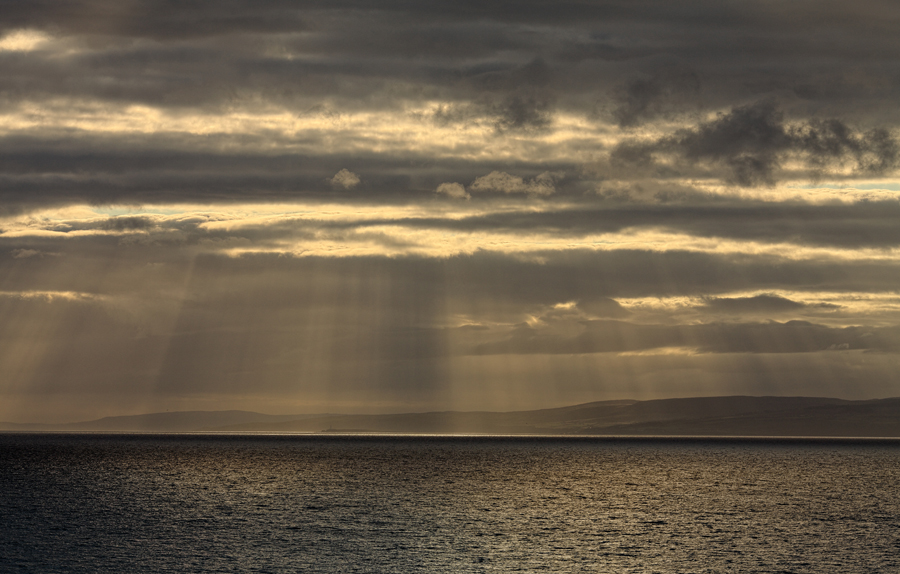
x,y
195,503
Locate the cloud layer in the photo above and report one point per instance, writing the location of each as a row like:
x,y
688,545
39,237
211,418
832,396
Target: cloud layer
x,y
345,206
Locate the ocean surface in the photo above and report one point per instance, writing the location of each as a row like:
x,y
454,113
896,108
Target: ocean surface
x,y
226,503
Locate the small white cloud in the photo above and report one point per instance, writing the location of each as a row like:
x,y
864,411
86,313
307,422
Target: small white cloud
x,y
22,41
455,190
543,184
499,181
24,253
345,178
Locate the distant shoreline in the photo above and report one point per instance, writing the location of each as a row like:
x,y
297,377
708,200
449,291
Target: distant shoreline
x,y
734,416
463,438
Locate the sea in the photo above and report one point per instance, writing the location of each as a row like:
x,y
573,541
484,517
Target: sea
x,y
119,503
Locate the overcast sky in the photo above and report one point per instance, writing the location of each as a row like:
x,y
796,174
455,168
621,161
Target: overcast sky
x,y
391,206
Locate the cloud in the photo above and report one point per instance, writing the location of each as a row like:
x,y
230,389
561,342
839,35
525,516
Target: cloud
x,y
206,323
185,159
753,142
603,307
22,40
632,251
759,304
187,94
662,95
611,336
26,253
345,178
865,224
147,19
874,152
522,111
454,190
498,181
755,304
517,113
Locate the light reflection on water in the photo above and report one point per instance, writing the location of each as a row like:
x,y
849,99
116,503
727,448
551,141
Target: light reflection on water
x,y
213,503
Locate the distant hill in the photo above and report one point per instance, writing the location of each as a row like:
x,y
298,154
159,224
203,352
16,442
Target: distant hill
x,y
704,416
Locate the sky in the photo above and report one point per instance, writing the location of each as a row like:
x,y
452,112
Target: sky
x,y
393,206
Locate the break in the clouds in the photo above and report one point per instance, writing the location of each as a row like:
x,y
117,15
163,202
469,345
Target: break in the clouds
x,y
340,206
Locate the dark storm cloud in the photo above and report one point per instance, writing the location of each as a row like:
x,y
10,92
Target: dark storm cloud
x,y
752,142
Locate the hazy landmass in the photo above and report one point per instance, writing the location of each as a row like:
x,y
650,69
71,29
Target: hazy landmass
x,y
707,416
